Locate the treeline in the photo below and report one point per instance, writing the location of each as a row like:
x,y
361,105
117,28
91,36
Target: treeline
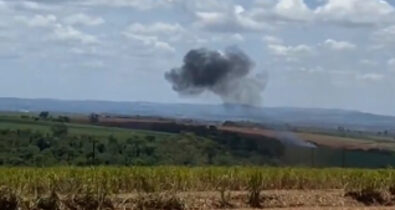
x,y
25,147
46,116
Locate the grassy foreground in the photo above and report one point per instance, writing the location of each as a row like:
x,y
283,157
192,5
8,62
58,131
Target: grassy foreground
x,y
121,180
181,188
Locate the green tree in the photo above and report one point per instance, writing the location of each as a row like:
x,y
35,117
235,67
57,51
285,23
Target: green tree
x,y
94,118
44,115
112,145
42,144
59,130
63,119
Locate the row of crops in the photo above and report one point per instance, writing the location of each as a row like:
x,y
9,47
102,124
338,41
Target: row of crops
x,y
121,180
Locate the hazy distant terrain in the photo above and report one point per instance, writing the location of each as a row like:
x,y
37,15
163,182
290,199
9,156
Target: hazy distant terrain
x,y
281,115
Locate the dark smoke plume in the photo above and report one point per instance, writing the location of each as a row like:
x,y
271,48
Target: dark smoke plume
x,y
225,74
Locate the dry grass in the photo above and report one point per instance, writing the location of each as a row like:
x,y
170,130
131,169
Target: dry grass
x,y
318,139
192,188
295,199
120,180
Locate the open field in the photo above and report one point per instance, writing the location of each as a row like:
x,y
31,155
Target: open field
x,y
157,141
361,142
193,184
161,178
347,142
28,141
201,187
319,139
124,127
15,122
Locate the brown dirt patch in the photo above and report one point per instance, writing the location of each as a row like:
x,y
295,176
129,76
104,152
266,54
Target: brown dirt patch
x,y
318,139
271,199
372,197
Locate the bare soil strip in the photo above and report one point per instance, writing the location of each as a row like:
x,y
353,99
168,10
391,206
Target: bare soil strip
x,y
271,199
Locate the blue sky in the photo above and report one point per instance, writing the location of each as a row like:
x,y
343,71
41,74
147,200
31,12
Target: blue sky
x,y
315,53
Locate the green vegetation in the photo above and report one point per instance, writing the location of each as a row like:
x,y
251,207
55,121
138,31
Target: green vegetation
x,y
44,163
28,141
160,187
163,178
41,140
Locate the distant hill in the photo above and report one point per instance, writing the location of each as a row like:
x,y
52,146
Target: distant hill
x,y
274,115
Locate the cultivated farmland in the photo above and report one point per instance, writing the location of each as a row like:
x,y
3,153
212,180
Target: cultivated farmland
x,y
61,163
194,188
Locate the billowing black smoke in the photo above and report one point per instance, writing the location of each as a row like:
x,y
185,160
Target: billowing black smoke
x,y
224,73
